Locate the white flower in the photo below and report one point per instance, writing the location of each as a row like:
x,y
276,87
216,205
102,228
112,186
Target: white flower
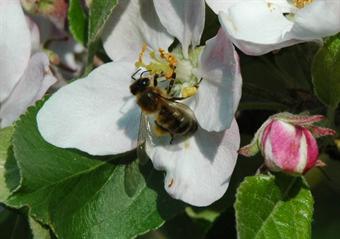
x,y
98,114
260,26
24,72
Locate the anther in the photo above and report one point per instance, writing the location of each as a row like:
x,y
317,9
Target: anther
x,y
301,3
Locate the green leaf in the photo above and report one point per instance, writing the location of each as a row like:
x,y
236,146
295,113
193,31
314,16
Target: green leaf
x,y
5,142
326,72
78,21
100,11
81,196
38,231
274,207
9,174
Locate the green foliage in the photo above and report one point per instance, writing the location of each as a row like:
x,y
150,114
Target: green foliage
x,y
326,72
5,142
274,207
100,11
38,231
77,21
80,196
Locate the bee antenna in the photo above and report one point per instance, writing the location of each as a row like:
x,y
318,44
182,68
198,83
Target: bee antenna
x,y
134,74
141,75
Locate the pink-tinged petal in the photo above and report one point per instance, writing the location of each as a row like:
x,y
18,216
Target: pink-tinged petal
x,y
56,10
220,90
182,19
257,27
198,170
256,143
35,35
33,84
220,5
320,131
15,45
283,147
312,150
318,19
132,24
90,114
302,120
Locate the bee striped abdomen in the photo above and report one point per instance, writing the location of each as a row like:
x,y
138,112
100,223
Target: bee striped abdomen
x,y
177,119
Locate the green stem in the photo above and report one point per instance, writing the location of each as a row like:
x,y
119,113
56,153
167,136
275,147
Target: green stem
x,y
290,186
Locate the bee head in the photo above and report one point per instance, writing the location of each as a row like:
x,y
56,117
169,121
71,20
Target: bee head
x,y
139,85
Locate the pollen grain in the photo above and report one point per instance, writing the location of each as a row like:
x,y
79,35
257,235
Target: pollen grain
x,y
301,3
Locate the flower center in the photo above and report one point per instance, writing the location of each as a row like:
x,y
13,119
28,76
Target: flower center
x,y
301,3
175,73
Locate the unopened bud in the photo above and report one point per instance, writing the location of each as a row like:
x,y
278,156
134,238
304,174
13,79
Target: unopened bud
x,y
288,143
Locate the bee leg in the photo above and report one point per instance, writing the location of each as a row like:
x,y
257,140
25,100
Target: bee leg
x,y
155,78
171,84
198,83
178,98
172,138
160,129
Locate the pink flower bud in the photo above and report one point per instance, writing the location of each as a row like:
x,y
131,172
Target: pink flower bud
x,y
287,142
288,148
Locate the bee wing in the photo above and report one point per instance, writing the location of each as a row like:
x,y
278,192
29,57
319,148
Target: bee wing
x,y
183,108
142,137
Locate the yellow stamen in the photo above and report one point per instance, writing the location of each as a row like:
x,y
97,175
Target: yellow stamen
x,y
163,64
171,60
301,3
139,62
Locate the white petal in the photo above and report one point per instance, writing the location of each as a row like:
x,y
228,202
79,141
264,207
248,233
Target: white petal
x,y
182,19
87,115
316,20
35,35
198,170
15,45
220,5
33,84
133,23
257,27
220,90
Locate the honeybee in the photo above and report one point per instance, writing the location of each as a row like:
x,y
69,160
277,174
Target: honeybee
x,y
171,117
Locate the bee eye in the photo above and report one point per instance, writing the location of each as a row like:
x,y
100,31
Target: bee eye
x,y
145,82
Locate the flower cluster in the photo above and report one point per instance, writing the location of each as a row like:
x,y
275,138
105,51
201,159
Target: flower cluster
x,y
186,80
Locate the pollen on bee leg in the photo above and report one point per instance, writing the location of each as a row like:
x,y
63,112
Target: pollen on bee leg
x,y
189,91
159,131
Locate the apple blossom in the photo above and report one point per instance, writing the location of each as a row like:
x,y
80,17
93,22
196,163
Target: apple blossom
x,y
99,115
24,71
288,142
259,26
